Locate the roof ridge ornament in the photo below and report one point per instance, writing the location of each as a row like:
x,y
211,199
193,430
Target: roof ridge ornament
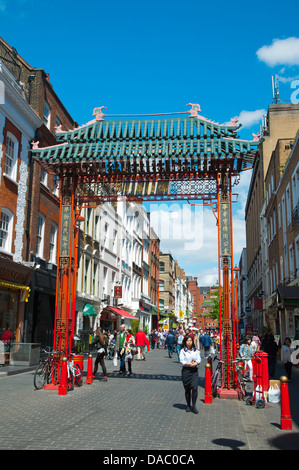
x,y
97,112
195,109
34,144
256,137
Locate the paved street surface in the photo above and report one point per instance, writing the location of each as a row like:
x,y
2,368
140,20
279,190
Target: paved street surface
x,y
144,411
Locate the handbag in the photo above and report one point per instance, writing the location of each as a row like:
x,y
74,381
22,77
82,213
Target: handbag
x,y
115,360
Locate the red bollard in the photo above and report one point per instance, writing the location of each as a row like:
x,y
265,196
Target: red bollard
x,y
89,370
148,347
62,389
285,420
208,385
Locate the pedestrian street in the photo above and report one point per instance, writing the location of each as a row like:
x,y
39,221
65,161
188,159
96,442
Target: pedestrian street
x,y
146,411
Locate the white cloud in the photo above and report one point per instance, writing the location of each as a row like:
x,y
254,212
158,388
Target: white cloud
x,y
280,52
287,79
192,235
250,118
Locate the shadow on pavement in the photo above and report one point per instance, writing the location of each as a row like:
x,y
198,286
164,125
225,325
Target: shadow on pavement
x,y
288,441
116,375
232,444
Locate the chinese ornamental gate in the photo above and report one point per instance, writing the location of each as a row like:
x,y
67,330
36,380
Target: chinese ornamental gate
x,y
170,158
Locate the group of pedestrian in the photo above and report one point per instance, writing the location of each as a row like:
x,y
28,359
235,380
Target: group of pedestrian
x,y
124,346
268,345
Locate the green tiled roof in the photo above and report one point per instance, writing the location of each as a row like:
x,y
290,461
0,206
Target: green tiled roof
x,y
169,138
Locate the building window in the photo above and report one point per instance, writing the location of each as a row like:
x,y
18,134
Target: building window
x,y
53,242
292,262
95,278
161,286
295,187
288,201
161,267
86,274
56,185
43,177
58,122
6,226
297,256
40,235
11,160
47,115
279,216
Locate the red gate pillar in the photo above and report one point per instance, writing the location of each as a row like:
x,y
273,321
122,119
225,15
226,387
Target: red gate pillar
x,y
66,272
225,262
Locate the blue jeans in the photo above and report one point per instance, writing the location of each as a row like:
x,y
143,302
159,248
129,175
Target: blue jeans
x,y
178,350
122,366
170,349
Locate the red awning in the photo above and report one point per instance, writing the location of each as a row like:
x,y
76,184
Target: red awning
x,y
121,312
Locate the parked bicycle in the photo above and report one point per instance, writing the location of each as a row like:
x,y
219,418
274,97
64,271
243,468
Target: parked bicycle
x,y
44,371
216,377
74,374
241,380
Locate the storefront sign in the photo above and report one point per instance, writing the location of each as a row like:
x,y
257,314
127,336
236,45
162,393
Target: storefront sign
x,y
117,292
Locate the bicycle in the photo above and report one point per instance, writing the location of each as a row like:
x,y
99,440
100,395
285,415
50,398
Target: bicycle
x,y
74,373
216,377
44,371
241,380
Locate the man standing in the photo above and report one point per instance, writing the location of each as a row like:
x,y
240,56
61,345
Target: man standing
x,y
141,342
180,338
170,343
206,342
120,340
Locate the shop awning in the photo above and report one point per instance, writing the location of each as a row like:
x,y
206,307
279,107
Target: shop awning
x,y
89,311
288,296
122,313
11,285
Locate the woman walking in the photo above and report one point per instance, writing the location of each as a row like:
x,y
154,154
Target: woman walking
x,y
190,359
286,353
101,341
127,350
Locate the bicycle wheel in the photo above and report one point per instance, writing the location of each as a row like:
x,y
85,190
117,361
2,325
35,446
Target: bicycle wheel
x,y
41,375
241,385
78,375
70,380
215,380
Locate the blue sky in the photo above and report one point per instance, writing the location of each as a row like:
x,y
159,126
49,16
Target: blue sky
x,y
149,57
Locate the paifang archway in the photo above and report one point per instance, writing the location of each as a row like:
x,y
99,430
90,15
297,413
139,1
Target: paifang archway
x,y
147,157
